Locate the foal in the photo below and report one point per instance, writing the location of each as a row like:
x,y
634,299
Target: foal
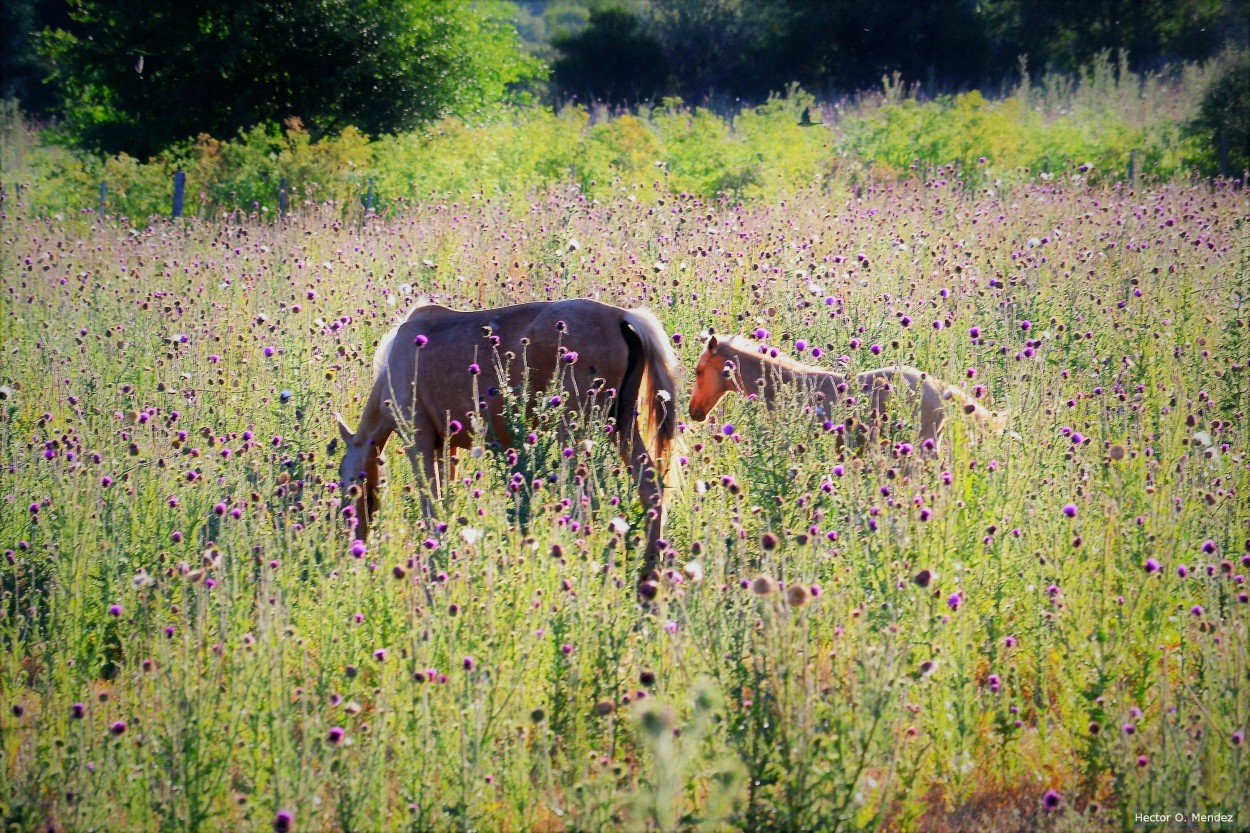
x,y
736,366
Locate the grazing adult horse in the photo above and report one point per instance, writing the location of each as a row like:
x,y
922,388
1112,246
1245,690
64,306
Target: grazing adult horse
x,y
427,370
733,365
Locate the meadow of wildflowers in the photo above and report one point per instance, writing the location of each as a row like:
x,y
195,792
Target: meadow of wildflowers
x,y
1045,629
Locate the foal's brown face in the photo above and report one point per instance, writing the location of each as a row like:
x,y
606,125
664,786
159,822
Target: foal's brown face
x,y
712,380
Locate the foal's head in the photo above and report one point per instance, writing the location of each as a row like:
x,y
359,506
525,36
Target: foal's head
x,y
360,469
715,375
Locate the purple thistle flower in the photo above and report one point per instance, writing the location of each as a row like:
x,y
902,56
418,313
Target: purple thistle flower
x,y
1050,800
118,728
358,548
469,663
335,735
1196,610
283,821
1152,566
115,610
421,340
1069,509
474,369
77,711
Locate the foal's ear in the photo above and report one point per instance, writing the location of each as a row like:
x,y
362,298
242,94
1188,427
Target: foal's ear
x,y
344,431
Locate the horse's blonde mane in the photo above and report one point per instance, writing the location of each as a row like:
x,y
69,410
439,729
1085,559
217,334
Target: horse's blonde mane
x,y
740,345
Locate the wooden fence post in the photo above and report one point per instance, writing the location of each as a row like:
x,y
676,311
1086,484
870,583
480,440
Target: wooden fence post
x,y
180,185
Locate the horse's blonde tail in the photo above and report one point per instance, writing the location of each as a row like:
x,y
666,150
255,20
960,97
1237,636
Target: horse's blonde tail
x,y
657,390
992,420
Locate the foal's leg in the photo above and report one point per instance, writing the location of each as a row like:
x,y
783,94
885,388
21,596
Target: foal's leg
x,y
932,416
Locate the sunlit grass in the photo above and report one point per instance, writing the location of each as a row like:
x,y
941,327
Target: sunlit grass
x,y
190,642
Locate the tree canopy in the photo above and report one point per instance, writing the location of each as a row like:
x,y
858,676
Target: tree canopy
x,y
750,48
138,75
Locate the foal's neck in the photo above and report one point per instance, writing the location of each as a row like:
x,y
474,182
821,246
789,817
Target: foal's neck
x,y
756,366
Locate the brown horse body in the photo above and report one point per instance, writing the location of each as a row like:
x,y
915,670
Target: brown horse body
x,y
439,368
735,366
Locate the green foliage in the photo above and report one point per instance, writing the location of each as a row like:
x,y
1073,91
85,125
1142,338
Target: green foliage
x,y
613,60
1093,128
141,76
1222,125
1108,120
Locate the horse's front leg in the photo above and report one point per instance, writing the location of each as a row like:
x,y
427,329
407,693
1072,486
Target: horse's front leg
x,y
424,454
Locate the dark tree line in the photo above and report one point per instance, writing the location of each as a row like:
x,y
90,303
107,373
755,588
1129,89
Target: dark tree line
x,y
749,48
140,75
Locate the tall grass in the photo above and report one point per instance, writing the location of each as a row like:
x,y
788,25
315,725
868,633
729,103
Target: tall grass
x,y
190,643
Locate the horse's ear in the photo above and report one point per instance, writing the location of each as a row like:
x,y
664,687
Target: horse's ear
x,y
344,431
711,342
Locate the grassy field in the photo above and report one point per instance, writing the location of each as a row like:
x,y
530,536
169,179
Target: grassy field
x,y
1041,630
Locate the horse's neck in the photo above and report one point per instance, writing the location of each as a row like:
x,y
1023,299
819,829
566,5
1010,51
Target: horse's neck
x,y
824,381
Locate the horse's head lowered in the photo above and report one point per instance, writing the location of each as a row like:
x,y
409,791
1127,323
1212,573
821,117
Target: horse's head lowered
x,y
361,471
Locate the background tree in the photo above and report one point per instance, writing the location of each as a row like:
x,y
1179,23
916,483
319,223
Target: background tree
x,y
1066,34
138,75
1222,125
749,48
22,69
613,59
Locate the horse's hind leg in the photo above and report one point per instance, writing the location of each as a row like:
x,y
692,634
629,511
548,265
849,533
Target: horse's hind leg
x,y
651,496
